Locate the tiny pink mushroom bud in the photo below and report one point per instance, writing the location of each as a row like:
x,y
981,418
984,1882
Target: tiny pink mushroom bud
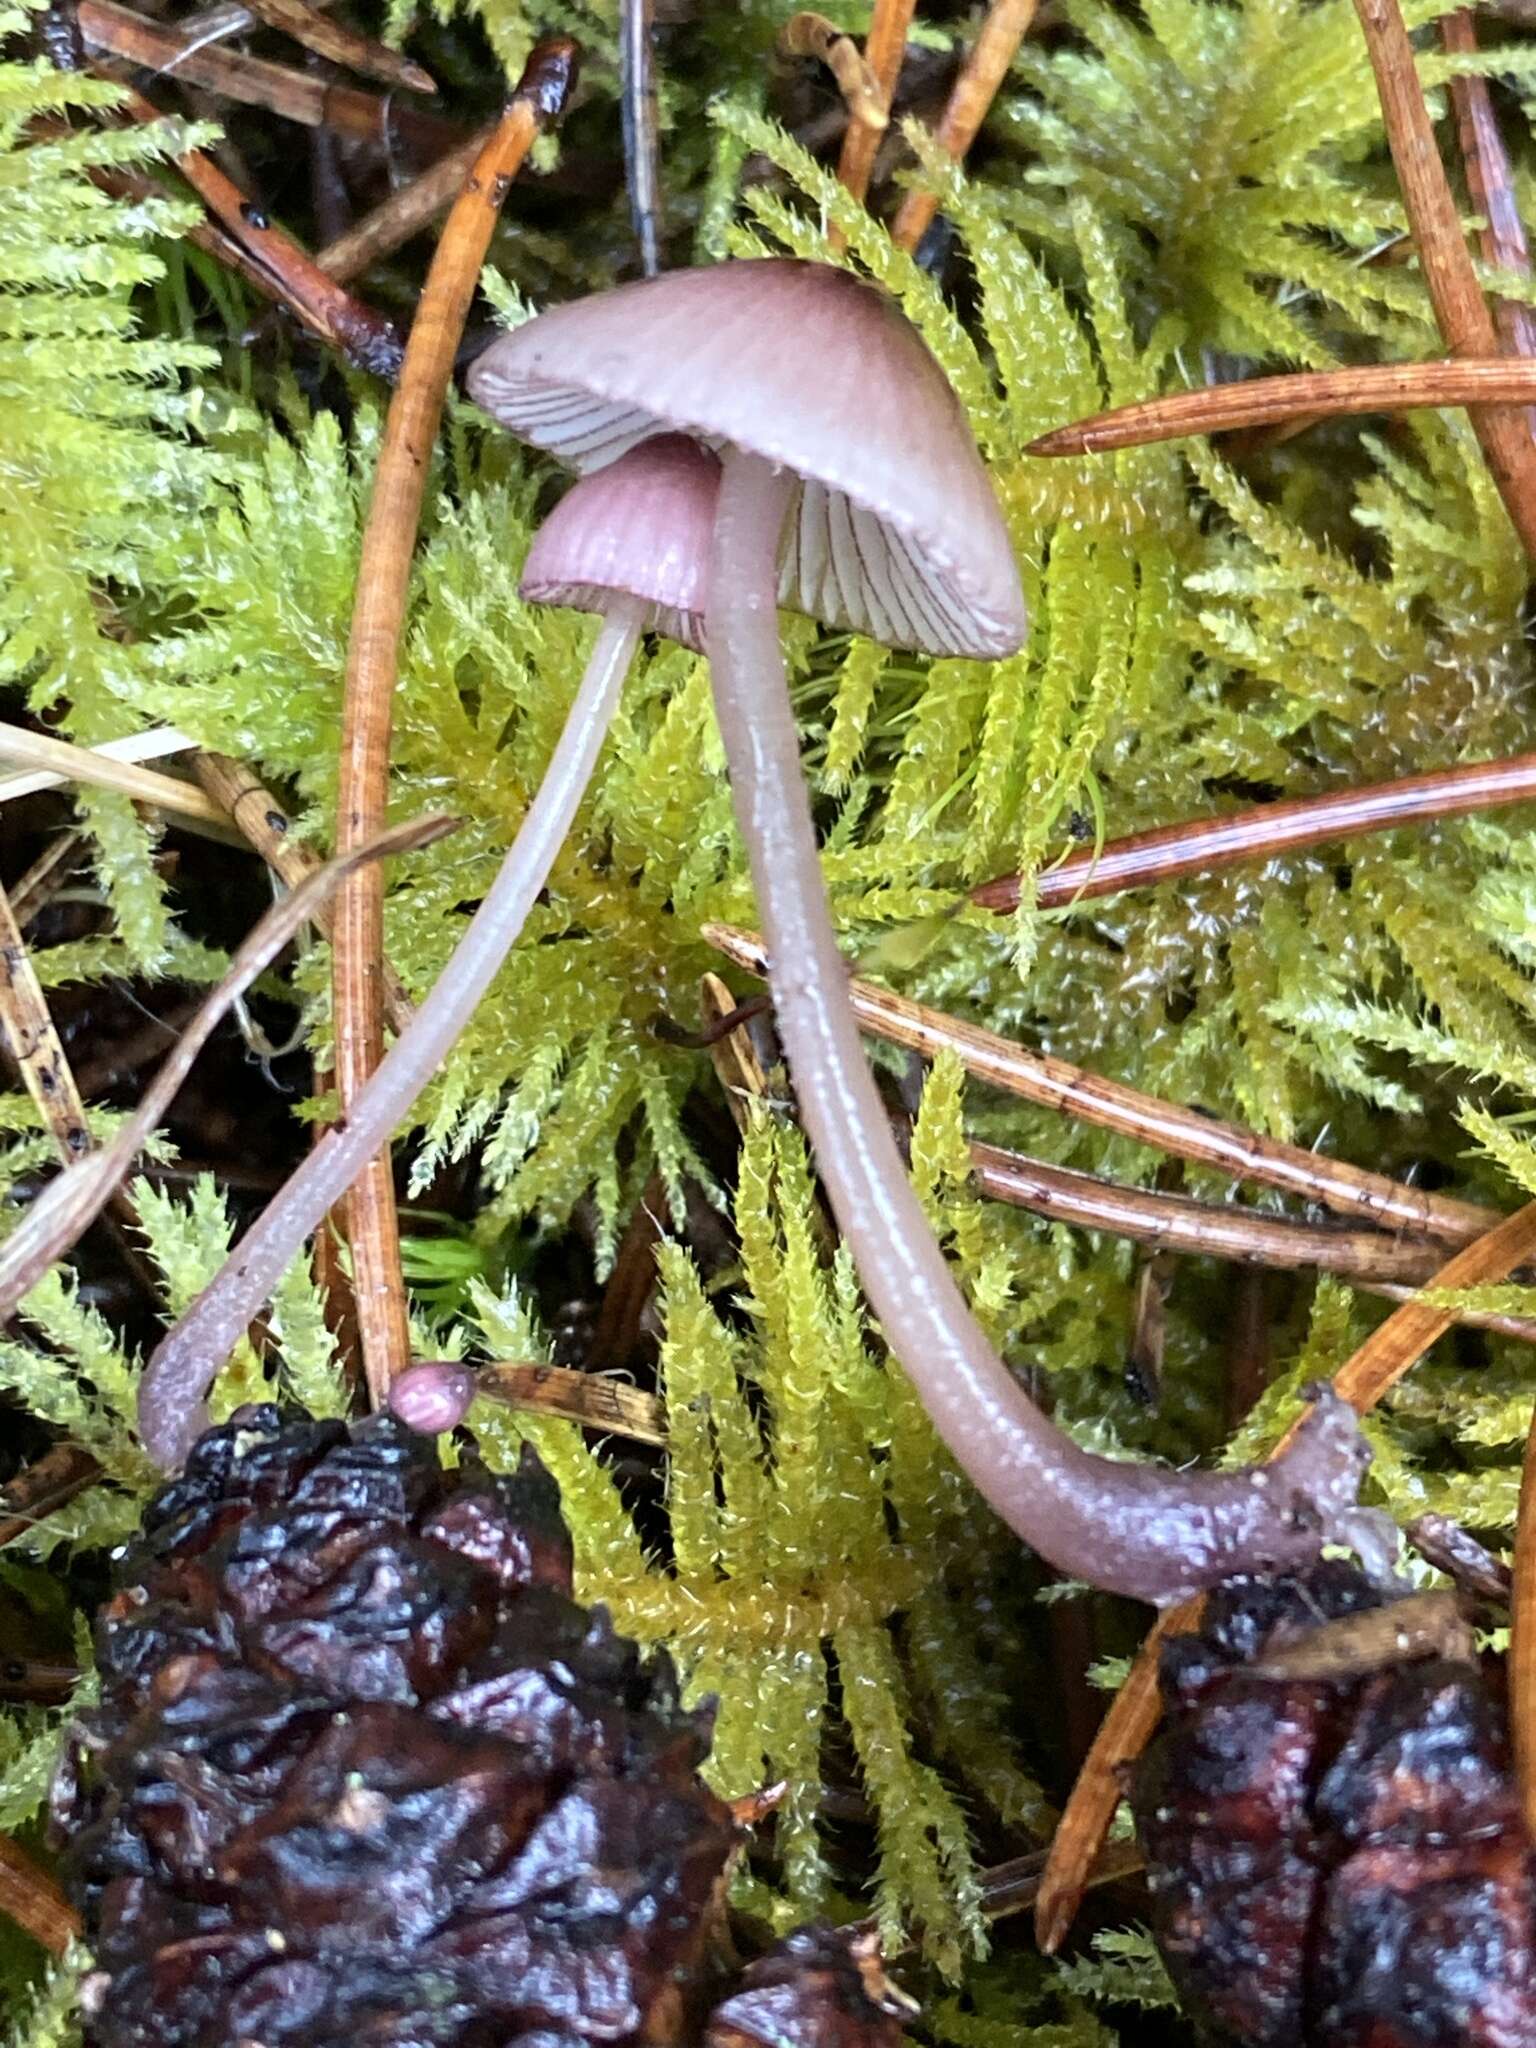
x,y
631,543
432,1398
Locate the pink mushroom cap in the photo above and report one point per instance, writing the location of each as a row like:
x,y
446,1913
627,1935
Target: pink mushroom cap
x,y
434,1397
894,531
638,528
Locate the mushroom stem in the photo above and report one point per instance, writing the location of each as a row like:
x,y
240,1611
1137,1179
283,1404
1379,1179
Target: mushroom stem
x,y
1134,1529
171,1412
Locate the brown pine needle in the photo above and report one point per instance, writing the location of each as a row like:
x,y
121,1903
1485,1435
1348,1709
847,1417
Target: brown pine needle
x,y
885,47
59,860
1466,325
1491,186
1195,1229
32,1899
395,220
982,73
70,1203
1304,394
49,1482
1381,1361
1204,845
1182,1133
332,39
389,542
274,262
812,35
590,1398
264,822
182,54
32,1040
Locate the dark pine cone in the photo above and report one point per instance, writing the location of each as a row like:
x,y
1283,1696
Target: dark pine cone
x,y
1333,1842
364,1772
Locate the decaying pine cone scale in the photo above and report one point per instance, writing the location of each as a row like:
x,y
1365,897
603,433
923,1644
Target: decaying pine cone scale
x,y
365,1775
1335,1849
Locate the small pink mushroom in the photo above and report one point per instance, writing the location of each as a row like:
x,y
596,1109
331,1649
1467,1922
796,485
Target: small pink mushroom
x,y
630,543
434,1397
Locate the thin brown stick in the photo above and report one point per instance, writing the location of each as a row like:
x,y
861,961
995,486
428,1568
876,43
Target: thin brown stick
x,y
59,859
32,1899
48,1483
180,53
394,221
1183,1133
1178,1223
72,1201
1466,325
807,34
982,73
389,542
1491,186
30,1036
1381,1361
99,770
1205,845
642,127
332,39
884,48
276,264
590,1398
1319,394
268,827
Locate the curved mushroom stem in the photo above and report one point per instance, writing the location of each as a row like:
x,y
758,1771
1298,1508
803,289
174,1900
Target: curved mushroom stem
x,y
1135,1529
171,1411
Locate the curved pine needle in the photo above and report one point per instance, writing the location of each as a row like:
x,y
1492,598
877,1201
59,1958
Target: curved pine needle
x,y
1204,845
1319,394
1381,1361
378,618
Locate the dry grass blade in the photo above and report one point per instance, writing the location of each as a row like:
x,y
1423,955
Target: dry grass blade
x,y
389,542
884,48
394,221
1203,845
32,1040
342,45
32,1899
732,1054
69,1204
1381,1361
57,761
154,745
1183,1133
1465,323
268,827
1304,394
590,1398
983,71
49,1482
642,127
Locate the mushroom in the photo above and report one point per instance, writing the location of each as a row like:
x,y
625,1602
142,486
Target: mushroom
x,y
851,489
630,543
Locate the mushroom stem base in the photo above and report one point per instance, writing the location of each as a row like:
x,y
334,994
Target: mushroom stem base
x,y
171,1410
1135,1529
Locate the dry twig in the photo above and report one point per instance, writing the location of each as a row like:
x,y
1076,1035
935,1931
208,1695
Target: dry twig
x,y
1381,1361
590,1398
403,214
884,48
49,1482
59,859
1460,309
642,136
389,541
1183,1133
1491,186
1204,845
975,89
333,40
